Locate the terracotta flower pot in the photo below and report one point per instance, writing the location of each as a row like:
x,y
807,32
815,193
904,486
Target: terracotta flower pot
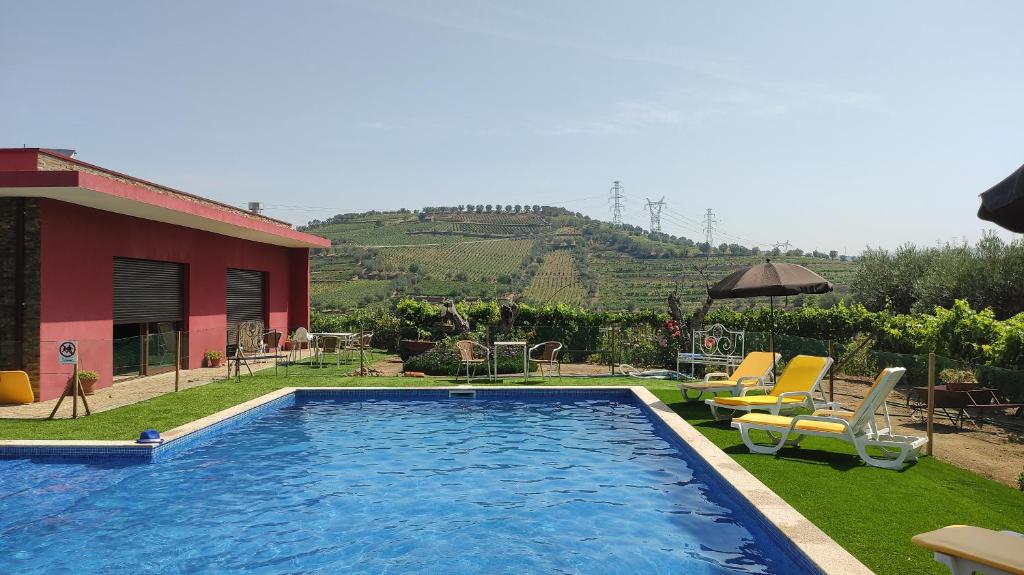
x,y
88,386
214,362
410,347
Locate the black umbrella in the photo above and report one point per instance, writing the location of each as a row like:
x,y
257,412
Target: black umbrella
x,y
1003,203
770,279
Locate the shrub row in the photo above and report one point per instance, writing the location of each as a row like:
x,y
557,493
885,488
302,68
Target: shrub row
x,y
958,332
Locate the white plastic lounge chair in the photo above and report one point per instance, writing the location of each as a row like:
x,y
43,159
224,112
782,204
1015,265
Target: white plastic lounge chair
x,y
755,370
857,427
966,550
795,388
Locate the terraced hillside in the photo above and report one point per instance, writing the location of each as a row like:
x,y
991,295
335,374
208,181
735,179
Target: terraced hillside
x,y
557,281
625,282
541,255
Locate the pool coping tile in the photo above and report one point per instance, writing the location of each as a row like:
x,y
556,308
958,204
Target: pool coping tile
x,y
822,550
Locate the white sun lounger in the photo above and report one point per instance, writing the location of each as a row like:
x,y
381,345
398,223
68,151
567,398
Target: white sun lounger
x,y
795,388
755,371
965,550
857,428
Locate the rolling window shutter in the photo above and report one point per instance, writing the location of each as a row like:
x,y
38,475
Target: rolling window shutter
x,y
246,299
148,291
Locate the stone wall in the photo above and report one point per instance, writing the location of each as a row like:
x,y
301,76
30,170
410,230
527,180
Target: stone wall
x,y
26,342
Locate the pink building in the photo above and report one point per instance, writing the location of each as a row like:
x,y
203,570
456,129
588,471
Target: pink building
x,y
120,264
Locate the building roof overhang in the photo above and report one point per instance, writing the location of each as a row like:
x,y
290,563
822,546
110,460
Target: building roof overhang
x,y
147,201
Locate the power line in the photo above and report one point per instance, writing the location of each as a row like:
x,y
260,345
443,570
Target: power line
x,y
617,198
655,209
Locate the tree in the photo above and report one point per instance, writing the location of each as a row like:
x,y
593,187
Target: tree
x,y
536,208
518,208
508,209
488,208
833,254
479,208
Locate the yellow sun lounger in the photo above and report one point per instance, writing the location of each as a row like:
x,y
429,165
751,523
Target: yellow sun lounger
x,y
965,550
15,388
857,428
754,371
794,388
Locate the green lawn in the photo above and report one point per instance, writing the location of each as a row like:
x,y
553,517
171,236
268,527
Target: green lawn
x,y
871,512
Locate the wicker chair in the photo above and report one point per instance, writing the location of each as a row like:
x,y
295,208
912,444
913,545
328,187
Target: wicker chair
x,y
329,344
548,357
469,356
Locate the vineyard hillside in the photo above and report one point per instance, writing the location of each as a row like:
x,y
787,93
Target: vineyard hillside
x,y
539,254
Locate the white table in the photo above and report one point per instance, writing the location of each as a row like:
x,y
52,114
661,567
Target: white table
x,y
343,335
526,358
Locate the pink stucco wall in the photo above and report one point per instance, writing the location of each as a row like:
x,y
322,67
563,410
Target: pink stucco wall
x,y
78,247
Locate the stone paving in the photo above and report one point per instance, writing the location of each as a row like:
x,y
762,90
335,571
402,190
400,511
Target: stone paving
x,y
124,393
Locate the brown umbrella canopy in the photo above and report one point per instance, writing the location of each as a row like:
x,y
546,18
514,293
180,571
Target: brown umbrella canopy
x,y
1004,202
770,279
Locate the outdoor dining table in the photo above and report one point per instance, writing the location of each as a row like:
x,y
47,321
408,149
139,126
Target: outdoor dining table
x,y
343,335
526,357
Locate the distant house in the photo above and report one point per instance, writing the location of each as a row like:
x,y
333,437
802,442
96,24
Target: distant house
x,y
119,264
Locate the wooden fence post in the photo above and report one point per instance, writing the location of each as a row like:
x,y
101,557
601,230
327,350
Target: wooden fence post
x,y
931,398
362,370
831,373
177,360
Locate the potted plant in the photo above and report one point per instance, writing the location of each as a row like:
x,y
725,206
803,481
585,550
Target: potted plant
x,y
410,347
87,381
958,379
213,358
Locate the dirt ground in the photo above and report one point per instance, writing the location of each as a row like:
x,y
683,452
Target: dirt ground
x,y
992,450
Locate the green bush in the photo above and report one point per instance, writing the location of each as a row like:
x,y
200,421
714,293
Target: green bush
x,y
958,332
444,360
386,328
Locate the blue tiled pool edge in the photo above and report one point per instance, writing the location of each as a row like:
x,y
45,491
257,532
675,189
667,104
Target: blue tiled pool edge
x,y
777,520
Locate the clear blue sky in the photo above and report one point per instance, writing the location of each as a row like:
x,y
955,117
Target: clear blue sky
x,y
829,124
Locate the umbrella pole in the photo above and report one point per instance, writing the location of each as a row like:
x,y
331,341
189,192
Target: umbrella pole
x,y
771,333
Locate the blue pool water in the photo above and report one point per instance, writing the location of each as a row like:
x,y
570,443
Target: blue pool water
x,y
574,484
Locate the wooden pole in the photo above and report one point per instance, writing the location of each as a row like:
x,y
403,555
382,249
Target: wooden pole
x,y
931,398
831,373
60,400
611,357
85,402
361,368
74,393
177,361
771,334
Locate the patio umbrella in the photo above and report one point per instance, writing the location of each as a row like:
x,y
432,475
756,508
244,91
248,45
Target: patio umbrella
x,y
1003,203
770,279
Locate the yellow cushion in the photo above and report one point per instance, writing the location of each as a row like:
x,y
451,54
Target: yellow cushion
x,y
722,383
756,364
992,548
801,374
755,400
15,387
782,421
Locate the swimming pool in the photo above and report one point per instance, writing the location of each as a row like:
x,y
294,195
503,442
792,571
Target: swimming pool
x,y
397,481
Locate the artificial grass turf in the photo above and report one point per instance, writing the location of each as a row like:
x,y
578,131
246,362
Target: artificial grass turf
x,y
871,512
